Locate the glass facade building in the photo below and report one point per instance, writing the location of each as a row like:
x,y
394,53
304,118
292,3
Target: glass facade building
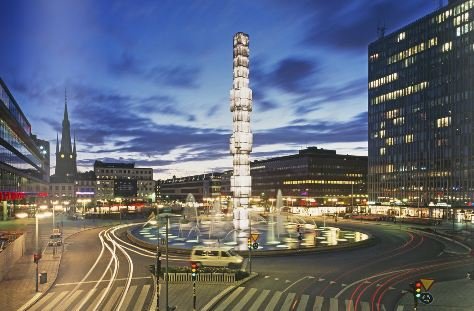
x,y
24,159
421,111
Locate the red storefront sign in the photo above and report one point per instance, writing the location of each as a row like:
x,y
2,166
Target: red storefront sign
x,y
15,196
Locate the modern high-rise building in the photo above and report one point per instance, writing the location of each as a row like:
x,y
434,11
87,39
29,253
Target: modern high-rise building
x,y
24,159
421,112
66,155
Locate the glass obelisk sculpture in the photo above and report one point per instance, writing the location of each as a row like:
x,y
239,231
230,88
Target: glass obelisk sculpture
x,y
241,139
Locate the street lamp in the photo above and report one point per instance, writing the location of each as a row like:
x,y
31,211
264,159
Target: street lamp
x,y
166,216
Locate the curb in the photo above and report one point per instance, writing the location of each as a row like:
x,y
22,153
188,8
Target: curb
x,y
38,296
449,238
366,243
211,304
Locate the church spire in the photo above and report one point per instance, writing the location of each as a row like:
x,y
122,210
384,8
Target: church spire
x,y
57,143
66,133
74,148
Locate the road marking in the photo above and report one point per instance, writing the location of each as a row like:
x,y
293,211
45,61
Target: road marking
x,y
377,285
333,304
276,279
99,281
113,299
141,298
287,304
318,304
303,302
36,296
229,299
272,304
332,282
245,299
92,306
130,293
321,279
267,276
403,291
343,285
56,300
349,305
41,302
364,306
391,288
260,300
68,301
297,281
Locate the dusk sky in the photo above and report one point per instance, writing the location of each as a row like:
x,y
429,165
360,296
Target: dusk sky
x,y
148,81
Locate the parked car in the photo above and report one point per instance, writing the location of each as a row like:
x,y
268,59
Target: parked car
x,y
216,257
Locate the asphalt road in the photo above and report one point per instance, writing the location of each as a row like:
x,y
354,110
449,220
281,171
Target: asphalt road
x,y
100,272
372,278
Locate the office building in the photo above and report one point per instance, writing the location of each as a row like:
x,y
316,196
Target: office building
x,y
421,113
313,177
202,187
124,181
24,159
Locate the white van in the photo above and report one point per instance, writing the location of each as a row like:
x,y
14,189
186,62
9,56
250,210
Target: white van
x,y
216,257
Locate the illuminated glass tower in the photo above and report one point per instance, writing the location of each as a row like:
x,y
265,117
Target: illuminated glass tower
x,y
421,112
241,139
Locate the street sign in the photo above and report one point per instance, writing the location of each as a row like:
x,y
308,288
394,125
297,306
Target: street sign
x,y
426,298
255,236
427,283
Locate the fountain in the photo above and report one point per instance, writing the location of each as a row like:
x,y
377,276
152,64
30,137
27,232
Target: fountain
x,y
277,232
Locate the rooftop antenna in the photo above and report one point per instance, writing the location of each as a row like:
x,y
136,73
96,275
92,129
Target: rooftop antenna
x,y
381,30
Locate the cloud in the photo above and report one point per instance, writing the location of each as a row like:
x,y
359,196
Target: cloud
x,y
352,25
317,132
176,76
292,75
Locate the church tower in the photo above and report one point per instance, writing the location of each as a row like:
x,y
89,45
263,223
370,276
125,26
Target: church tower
x,y
66,168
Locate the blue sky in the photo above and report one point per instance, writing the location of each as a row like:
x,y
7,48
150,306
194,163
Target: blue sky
x,y
148,81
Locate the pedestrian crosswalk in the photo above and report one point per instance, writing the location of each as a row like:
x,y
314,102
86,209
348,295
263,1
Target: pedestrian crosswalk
x,y
254,299
65,300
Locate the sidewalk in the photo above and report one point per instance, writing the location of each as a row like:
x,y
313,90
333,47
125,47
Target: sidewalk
x,y
18,287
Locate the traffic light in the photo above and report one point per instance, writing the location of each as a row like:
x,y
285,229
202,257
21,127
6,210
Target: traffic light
x,y
417,289
151,268
255,245
36,258
249,243
300,234
194,268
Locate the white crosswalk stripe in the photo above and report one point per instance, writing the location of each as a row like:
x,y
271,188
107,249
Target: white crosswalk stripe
x,y
254,299
318,303
287,304
229,299
245,299
141,298
259,300
68,300
113,299
303,302
66,303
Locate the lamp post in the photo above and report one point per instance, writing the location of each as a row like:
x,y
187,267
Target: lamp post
x,y
167,216
36,247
